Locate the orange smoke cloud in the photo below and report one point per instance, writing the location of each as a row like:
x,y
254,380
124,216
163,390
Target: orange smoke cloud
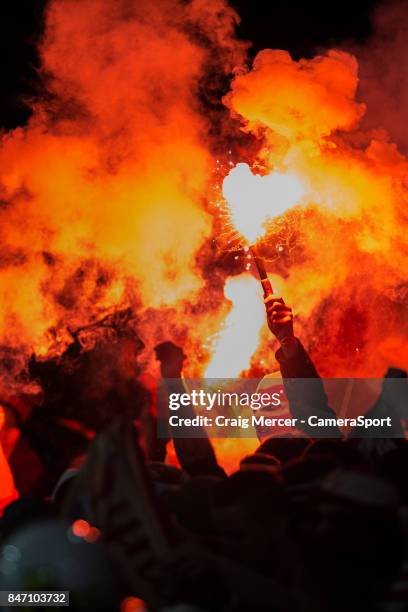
x,y
304,100
347,269
104,194
103,190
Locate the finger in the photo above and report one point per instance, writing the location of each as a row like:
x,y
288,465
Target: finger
x,y
281,320
277,307
273,298
279,313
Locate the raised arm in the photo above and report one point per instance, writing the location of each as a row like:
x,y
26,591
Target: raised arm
x,y
196,455
303,385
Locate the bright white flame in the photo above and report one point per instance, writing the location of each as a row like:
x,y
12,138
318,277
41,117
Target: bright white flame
x,y
255,199
238,339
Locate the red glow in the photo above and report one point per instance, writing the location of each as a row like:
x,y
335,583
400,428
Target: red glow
x,y
81,528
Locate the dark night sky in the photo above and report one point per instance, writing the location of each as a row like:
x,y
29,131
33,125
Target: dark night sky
x,y
300,26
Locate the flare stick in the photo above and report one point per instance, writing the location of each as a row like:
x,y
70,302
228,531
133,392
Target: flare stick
x,y
260,266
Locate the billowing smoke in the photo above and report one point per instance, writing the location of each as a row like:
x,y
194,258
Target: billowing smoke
x,y
106,193
103,191
345,272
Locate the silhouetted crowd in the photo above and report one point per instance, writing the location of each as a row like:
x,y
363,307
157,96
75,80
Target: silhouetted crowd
x,y
304,525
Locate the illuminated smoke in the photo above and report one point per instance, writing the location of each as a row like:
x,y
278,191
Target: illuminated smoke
x,y
253,200
239,336
345,277
105,193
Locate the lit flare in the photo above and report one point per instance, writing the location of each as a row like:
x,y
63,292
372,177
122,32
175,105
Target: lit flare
x,y
253,200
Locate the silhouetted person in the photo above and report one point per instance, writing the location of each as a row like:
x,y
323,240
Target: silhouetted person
x,y
305,391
